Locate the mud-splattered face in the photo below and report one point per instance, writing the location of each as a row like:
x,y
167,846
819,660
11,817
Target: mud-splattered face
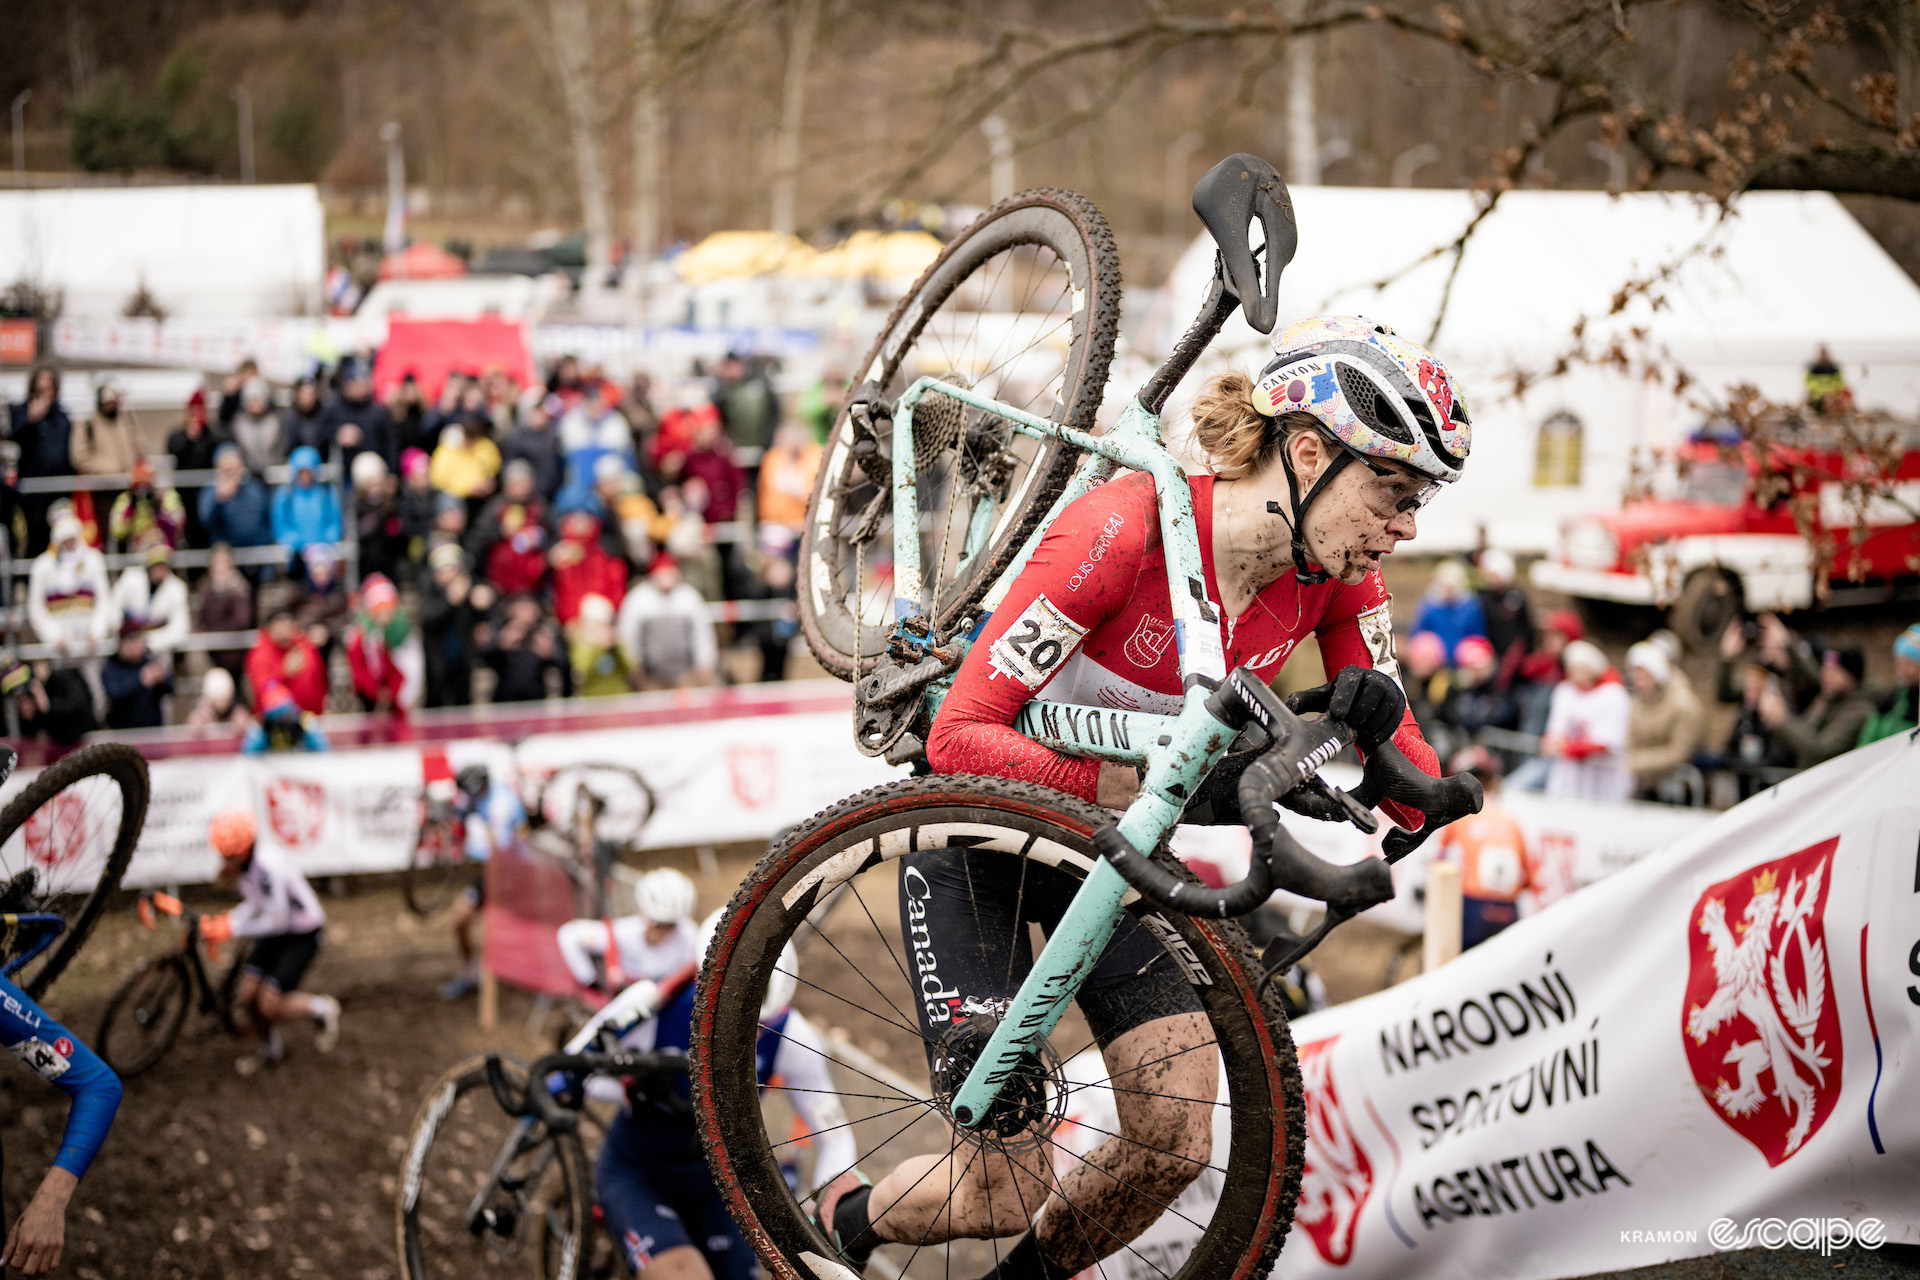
x,y
1359,518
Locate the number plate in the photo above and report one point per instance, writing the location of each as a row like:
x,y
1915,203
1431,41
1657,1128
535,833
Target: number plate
x,y
1039,640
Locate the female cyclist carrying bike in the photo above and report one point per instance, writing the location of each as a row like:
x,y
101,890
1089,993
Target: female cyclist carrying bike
x,y
1317,470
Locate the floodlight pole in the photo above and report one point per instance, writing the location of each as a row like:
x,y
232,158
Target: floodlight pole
x,y
244,101
395,238
1000,143
20,130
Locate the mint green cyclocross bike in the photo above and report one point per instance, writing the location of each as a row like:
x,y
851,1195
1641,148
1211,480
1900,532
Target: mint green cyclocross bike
x,y
975,421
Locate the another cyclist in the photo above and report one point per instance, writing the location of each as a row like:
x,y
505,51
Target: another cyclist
x,y
496,818
658,1196
55,1055
281,914
1291,536
656,941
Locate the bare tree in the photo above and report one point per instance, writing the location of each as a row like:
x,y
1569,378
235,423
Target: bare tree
x,y
803,22
649,132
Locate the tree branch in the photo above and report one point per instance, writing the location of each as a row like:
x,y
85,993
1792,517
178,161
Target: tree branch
x,y
1858,171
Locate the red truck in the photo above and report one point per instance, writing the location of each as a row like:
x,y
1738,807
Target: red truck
x,y
1721,534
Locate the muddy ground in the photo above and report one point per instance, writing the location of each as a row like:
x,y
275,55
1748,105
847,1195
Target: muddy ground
x,y
292,1172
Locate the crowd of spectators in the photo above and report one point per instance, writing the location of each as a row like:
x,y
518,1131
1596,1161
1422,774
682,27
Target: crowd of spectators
x,y
1559,716
566,538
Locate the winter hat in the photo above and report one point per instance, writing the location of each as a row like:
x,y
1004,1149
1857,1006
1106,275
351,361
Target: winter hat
x,y
369,469
276,700
217,686
596,609
445,555
517,469
1473,651
65,527
1426,649
1567,623
414,462
1907,644
609,468
1450,576
1581,656
1496,566
378,592
1652,659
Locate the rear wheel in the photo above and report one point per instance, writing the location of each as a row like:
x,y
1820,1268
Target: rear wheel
x,y
144,1016
833,889
483,1194
1023,307
65,841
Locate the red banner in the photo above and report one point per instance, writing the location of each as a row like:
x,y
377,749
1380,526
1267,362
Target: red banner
x,y
432,349
19,341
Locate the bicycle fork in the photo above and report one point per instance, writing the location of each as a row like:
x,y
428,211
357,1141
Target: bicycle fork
x,y
1074,946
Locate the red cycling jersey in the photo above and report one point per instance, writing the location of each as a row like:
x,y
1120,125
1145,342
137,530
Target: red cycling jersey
x,y
1089,621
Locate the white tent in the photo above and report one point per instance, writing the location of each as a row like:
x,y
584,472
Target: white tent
x,y
1786,273
202,252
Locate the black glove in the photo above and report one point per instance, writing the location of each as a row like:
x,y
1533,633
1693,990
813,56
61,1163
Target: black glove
x,y
1216,801
1371,703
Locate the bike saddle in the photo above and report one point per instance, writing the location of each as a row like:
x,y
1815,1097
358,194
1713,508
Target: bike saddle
x,y
1234,194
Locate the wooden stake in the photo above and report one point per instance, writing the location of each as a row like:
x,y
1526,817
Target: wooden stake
x,y
490,995
1443,915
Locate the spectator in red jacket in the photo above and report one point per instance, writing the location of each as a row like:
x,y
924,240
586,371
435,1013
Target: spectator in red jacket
x,y
582,567
711,460
283,653
508,543
383,650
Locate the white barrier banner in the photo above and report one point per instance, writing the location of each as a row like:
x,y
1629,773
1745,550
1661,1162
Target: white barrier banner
x,y
723,780
1719,1036
342,812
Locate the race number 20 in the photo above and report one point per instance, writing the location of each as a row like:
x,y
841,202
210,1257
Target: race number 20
x,y
1039,640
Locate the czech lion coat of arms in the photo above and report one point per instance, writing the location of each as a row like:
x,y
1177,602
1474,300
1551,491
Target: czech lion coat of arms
x,y
1336,1177
1760,1023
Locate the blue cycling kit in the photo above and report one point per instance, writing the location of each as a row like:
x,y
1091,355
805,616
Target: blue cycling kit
x,y
654,1186
58,1057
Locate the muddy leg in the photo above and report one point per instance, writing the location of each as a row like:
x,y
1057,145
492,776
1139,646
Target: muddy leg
x,y
1165,1077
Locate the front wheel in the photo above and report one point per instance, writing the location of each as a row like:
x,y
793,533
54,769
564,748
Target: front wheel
x,y
897,986
485,1195
144,1016
437,869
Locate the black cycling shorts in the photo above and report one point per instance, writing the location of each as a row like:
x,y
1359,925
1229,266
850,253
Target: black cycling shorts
x,y
968,952
281,959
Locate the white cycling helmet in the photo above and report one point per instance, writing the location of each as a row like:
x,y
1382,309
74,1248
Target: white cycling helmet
x,y
664,896
781,984
1373,394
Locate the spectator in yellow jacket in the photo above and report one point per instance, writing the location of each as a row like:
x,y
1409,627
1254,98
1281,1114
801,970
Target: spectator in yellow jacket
x,y
465,464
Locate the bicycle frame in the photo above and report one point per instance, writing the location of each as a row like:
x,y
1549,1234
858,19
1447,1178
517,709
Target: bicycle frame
x,y
1177,750
50,926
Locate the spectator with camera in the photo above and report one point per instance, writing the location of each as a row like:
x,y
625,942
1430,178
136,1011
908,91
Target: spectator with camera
x,y
1832,721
